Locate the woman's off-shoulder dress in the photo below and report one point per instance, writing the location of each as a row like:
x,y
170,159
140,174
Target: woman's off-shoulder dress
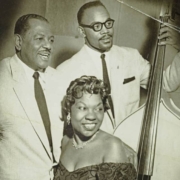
x,y
103,171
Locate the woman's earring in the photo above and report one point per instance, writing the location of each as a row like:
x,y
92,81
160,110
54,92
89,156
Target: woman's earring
x,y
68,118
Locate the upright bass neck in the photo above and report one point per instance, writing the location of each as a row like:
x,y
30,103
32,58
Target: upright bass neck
x,y
147,143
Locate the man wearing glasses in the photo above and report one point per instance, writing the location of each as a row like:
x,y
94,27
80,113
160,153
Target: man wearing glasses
x,y
123,69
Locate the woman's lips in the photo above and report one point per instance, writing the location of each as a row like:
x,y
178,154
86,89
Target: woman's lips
x,y
89,126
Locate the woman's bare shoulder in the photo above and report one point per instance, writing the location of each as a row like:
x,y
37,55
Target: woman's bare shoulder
x,y
109,139
115,151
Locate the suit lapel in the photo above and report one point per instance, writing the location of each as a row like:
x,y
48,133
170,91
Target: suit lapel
x,y
27,100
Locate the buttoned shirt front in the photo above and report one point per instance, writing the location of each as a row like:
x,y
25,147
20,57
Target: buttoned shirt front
x,y
96,58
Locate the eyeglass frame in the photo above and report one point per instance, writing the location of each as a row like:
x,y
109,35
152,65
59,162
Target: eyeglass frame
x,y
104,23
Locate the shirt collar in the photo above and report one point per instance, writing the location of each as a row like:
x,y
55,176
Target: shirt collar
x,y
29,72
95,57
92,51
95,53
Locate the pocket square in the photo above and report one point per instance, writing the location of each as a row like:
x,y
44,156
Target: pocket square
x,y
127,80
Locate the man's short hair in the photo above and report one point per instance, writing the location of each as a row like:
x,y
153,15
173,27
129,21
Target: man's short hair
x,y
22,24
86,6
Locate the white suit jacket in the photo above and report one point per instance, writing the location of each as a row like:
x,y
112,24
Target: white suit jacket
x,y
24,146
128,72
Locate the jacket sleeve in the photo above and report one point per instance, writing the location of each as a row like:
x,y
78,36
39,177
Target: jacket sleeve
x,y
144,70
171,77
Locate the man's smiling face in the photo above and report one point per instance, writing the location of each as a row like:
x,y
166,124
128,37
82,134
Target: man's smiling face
x,y
36,45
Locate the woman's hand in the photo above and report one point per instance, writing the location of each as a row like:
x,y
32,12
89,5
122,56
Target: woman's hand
x,y
169,37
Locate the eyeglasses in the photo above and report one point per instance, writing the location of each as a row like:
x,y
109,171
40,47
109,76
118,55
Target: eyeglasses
x,y
98,25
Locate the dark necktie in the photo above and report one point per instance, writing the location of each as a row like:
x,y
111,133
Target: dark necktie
x,y
107,82
41,102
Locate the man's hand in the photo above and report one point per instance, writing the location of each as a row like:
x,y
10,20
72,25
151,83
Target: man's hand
x,y
169,37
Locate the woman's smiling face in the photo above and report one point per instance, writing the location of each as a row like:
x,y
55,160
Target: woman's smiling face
x,y
87,114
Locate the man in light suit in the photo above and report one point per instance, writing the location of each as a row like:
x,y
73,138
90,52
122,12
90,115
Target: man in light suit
x,y
127,69
27,151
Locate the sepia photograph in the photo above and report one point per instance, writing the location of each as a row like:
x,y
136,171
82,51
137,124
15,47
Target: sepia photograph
x,y
89,89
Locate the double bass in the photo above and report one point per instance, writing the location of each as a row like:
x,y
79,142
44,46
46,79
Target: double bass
x,y
153,131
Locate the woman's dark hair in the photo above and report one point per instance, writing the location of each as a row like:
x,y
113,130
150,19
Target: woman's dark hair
x,y
83,84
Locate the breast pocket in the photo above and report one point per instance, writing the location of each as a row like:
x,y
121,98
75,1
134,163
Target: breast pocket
x,y
131,91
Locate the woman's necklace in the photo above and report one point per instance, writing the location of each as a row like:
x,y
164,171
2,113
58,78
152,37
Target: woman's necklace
x,y
81,146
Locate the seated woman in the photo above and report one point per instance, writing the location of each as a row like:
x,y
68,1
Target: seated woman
x,y
88,152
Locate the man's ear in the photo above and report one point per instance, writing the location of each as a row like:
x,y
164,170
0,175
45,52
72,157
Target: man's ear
x,y
18,41
81,31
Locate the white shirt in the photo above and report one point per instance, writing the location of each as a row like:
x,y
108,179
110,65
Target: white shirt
x,y
97,61
29,73
96,58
